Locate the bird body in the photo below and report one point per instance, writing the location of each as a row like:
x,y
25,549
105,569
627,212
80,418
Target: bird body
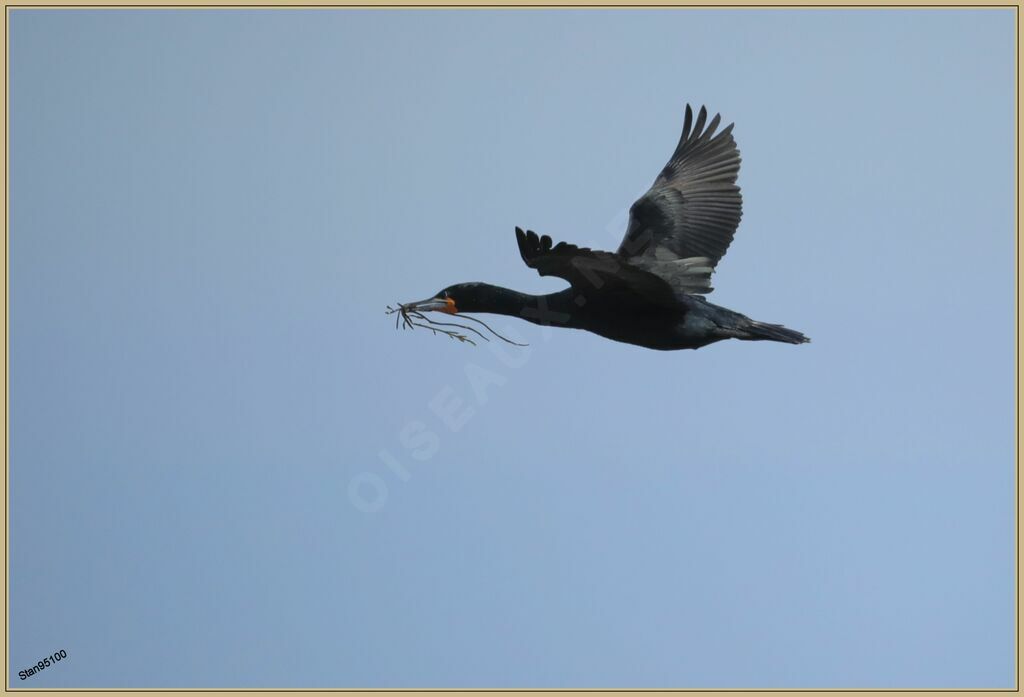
x,y
690,323
650,291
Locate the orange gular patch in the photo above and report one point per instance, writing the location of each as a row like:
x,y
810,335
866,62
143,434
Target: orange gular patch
x,y
449,307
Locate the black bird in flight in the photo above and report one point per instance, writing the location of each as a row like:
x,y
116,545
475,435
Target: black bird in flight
x,y
650,291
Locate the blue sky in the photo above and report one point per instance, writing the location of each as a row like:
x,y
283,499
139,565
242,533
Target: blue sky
x,y
227,468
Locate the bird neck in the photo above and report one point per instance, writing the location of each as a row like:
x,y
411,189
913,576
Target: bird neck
x,y
551,309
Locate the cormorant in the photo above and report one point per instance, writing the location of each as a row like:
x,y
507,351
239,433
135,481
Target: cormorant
x,y
649,292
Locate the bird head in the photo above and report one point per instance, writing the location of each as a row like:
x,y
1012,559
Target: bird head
x,y
441,302
461,297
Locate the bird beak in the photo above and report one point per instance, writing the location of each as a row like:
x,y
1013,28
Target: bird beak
x,y
433,304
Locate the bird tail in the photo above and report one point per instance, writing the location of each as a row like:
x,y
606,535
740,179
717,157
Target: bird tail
x,y
762,331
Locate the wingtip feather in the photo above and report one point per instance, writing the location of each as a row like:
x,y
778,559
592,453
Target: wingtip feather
x,y
701,118
687,123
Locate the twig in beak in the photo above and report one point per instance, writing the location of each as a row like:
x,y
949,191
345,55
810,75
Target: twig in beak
x,y
420,315
480,321
406,313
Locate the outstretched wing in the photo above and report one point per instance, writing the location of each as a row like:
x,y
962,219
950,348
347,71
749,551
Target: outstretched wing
x,y
591,271
694,206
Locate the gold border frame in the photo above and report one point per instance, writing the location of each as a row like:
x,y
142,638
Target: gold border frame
x,y
475,4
